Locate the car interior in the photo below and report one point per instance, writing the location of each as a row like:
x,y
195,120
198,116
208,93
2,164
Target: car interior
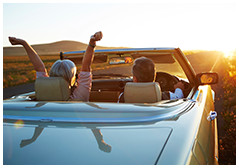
x,y
108,90
107,86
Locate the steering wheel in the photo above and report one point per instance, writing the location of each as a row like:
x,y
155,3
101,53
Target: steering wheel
x,y
166,81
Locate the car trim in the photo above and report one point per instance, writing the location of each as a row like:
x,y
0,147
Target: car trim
x,y
120,50
152,118
180,57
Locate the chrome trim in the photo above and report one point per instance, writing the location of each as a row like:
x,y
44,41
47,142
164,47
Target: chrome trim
x,y
121,50
153,118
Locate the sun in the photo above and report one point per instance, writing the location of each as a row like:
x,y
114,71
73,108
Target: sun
x,y
229,52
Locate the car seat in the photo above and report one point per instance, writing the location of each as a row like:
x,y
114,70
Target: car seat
x,y
52,89
146,92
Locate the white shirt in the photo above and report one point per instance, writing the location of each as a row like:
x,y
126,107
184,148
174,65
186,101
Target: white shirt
x,y
178,94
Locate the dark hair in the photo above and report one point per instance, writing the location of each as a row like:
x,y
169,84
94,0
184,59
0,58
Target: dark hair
x,y
144,69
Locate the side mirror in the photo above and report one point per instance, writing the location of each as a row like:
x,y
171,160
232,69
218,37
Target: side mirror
x,y
207,78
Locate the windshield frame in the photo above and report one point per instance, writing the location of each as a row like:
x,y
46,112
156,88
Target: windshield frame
x,y
177,53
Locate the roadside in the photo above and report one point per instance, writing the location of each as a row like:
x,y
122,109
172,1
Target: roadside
x,y
214,62
227,140
225,100
16,90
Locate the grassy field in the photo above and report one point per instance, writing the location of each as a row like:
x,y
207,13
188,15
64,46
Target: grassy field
x,y
227,142
19,70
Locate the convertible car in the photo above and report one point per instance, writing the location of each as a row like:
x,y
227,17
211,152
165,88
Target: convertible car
x,y
144,130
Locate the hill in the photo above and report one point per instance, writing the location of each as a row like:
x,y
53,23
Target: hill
x,y
49,48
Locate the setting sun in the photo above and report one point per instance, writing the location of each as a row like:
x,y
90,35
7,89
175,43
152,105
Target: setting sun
x,y
229,53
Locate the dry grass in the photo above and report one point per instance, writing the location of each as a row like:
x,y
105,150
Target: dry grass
x,y
19,70
227,142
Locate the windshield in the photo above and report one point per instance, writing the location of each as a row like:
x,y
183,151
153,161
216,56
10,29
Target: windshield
x,y
121,65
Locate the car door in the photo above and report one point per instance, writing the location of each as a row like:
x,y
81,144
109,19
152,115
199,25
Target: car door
x,y
205,148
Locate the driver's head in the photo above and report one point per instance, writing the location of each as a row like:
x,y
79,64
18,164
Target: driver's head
x,y
143,70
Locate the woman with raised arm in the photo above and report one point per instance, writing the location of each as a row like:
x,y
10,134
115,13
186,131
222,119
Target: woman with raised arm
x,y
66,68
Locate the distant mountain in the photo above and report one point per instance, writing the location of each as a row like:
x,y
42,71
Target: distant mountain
x,y
50,48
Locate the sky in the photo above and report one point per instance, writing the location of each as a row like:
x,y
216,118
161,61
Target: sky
x,y
187,24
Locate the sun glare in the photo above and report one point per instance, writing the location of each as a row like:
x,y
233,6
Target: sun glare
x,y
228,53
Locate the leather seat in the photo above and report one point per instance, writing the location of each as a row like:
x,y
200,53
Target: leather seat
x,y
52,89
148,92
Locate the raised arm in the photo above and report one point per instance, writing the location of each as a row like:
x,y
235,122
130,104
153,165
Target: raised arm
x,y
32,54
89,54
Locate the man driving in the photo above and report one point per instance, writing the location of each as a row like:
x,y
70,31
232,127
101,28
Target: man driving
x,y
144,71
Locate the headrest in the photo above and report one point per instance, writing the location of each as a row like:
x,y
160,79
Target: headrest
x,y
52,88
137,92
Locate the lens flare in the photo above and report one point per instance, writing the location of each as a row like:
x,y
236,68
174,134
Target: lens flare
x,y
18,124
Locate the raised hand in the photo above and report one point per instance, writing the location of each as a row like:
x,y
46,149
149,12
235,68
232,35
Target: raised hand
x,y
97,36
16,41
32,54
89,54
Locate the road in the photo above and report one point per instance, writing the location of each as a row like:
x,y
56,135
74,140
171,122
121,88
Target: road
x,y
16,90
